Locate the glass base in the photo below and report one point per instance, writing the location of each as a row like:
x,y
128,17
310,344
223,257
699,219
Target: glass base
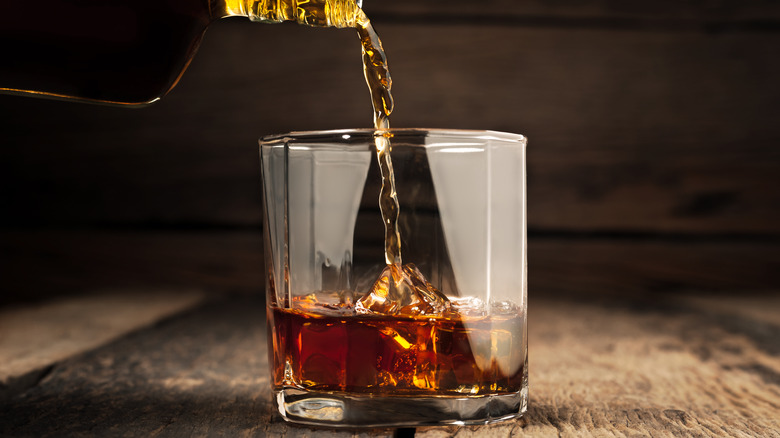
x,y
338,409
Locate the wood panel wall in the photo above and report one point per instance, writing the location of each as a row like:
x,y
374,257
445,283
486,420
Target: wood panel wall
x,y
650,123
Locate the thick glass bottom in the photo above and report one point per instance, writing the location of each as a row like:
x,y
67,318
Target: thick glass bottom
x,y
337,409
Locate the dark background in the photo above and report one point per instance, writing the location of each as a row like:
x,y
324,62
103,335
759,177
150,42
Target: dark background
x,y
653,162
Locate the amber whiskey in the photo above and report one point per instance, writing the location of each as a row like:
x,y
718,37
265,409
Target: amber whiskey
x,y
463,352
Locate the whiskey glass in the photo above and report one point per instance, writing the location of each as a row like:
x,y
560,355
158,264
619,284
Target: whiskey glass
x,y
439,339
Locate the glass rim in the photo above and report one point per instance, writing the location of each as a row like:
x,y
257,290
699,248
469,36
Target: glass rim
x,y
366,134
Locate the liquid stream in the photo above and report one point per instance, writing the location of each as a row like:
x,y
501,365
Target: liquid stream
x,y
399,288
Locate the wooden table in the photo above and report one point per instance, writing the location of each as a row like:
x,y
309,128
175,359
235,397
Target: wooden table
x,y
191,364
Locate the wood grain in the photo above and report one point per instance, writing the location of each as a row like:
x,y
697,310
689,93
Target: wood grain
x,y
626,368
667,131
38,265
36,336
658,369
203,374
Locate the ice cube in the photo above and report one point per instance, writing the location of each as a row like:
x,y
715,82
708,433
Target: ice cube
x,y
403,291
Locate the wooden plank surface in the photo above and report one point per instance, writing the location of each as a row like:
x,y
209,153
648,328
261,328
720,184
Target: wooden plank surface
x,y
659,368
34,337
597,367
203,374
37,265
670,131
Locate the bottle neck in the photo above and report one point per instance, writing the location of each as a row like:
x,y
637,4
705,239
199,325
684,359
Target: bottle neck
x,y
318,13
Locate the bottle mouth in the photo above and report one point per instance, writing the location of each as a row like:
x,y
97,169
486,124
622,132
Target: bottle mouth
x,y
319,13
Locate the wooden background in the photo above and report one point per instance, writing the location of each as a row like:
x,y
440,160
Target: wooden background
x,y
653,159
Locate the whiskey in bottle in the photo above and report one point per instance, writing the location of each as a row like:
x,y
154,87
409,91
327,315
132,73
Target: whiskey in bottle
x,y
129,52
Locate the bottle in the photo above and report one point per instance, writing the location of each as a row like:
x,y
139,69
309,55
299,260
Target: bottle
x,y
127,52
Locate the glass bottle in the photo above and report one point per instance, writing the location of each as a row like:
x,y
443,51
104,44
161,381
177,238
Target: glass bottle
x,y
127,52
